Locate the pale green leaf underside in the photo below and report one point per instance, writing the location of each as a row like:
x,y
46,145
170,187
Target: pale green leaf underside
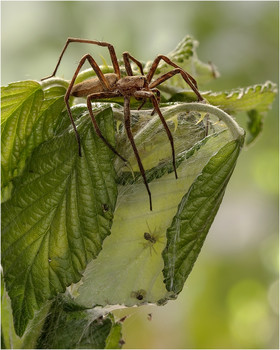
x,y
55,221
128,270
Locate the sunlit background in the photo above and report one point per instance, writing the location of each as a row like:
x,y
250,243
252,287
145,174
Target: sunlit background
x,y
231,298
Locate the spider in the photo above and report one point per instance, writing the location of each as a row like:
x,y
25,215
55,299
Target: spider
x,y
111,85
152,237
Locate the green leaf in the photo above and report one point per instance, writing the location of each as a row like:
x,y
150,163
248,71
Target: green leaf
x,y
67,327
18,95
56,220
27,121
258,97
9,339
114,338
255,125
3,344
195,215
20,105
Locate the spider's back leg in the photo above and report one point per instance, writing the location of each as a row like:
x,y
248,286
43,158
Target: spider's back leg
x,y
94,42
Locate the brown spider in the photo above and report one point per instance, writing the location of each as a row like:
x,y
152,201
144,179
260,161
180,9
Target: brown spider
x,y
113,85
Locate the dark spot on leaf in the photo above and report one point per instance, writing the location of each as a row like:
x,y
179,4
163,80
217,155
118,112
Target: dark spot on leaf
x,y
139,294
121,342
105,207
123,319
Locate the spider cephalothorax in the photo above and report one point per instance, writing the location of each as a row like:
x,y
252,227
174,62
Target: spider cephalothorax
x,y
113,85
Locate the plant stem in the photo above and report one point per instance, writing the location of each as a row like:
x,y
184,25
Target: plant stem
x,y
54,81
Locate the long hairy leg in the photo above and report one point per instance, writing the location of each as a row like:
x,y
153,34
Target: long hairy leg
x,y
94,42
131,139
157,92
126,57
186,76
103,81
107,94
170,74
151,96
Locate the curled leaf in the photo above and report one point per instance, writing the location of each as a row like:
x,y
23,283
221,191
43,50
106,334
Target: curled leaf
x,y
195,215
128,270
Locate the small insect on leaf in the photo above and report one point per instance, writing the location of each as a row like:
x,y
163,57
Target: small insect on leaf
x,y
149,237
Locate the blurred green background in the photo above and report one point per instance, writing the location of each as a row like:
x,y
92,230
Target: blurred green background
x,y
231,297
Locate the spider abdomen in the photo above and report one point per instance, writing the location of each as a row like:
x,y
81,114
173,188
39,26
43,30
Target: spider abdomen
x,y
93,85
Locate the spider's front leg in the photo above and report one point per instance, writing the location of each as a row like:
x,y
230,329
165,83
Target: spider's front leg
x,y
157,92
131,139
103,81
150,94
185,75
126,57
